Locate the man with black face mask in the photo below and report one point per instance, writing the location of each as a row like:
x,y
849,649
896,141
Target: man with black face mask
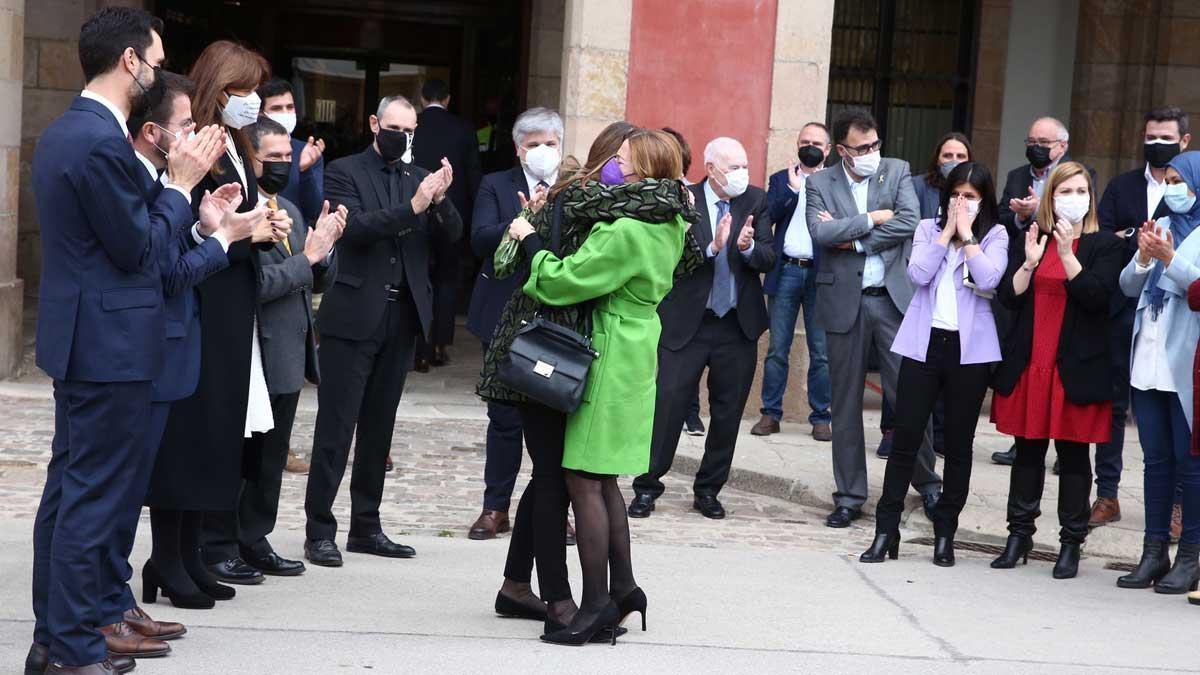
x,y
1131,199
369,321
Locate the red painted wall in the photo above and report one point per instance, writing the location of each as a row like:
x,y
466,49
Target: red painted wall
x,y
704,68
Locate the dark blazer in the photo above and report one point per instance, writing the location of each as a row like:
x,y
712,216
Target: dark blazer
x,y
1123,206
1016,186
683,309
929,198
1084,362
495,207
100,307
183,264
285,317
440,134
376,235
305,189
781,205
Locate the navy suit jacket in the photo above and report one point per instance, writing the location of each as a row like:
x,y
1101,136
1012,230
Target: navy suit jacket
x,y
1123,206
183,264
100,308
495,207
781,204
305,189
1017,185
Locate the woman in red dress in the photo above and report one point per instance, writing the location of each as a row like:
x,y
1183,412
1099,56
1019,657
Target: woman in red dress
x,y
1055,382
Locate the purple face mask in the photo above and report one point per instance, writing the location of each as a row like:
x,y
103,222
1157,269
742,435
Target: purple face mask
x,y
610,173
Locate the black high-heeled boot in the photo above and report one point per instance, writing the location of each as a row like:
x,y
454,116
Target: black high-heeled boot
x,y
943,550
634,601
1154,565
1068,561
607,618
152,581
886,543
1016,548
1185,574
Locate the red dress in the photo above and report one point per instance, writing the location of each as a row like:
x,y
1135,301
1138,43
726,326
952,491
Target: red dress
x,y
1038,407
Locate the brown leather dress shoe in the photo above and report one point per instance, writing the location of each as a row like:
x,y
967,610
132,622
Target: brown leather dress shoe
x,y
1106,510
766,426
295,464
822,432
141,623
488,525
124,641
387,465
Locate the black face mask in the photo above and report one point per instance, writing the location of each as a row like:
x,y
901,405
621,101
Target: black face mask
x,y
274,177
140,104
1038,156
392,144
810,156
1158,154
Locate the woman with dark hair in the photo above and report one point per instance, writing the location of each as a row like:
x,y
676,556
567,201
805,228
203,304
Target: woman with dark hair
x,y
948,342
539,530
953,149
198,473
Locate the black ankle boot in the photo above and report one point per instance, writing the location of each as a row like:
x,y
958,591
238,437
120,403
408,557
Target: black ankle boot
x,y
1068,562
1154,565
885,544
1185,574
1016,548
943,551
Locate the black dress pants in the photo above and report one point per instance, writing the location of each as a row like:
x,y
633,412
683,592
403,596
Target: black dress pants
x,y
361,385
503,458
731,358
941,376
540,529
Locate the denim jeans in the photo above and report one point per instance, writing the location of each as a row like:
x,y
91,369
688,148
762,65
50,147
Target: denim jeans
x,y
1169,464
797,287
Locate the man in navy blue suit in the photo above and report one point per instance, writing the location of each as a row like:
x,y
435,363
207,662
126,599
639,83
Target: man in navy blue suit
x,y
101,329
792,285
537,134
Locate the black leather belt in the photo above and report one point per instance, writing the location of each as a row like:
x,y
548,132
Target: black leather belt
x,y
395,293
798,262
875,290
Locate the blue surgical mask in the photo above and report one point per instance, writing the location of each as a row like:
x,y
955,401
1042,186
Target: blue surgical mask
x,y
1177,198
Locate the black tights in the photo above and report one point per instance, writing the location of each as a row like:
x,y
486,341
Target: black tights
x,y
176,550
602,535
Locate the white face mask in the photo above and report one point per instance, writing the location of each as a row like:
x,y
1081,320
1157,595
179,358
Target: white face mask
x,y
241,111
542,161
736,182
286,120
1072,207
972,209
868,164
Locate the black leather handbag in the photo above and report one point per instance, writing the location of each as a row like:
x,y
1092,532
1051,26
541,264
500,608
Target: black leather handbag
x,y
549,363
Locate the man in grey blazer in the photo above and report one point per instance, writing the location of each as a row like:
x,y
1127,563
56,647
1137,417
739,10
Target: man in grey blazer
x,y
291,271
862,213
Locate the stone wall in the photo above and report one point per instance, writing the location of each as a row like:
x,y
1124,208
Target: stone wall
x,y
546,53
595,62
992,60
12,27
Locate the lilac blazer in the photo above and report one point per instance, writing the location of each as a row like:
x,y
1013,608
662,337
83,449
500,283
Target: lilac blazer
x,y
976,325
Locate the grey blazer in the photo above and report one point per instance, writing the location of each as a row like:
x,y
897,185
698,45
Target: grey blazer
x,y
285,317
839,276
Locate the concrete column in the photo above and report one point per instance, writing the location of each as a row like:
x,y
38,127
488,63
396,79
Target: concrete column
x,y
989,83
595,64
12,69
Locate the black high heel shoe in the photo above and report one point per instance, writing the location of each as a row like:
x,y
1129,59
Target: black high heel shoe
x,y
943,551
606,619
634,601
1016,548
1068,562
606,635
209,586
152,581
885,543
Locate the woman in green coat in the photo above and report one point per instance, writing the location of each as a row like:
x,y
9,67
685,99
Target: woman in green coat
x,y
626,267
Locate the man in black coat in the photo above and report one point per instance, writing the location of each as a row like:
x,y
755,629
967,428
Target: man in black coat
x,y
369,322
1131,199
442,135
713,318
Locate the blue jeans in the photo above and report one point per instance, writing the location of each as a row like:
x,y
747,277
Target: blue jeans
x,y
1169,463
797,287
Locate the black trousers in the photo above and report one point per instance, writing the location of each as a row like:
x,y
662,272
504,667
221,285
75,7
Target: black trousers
x,y
503,459
940,377
361,385
540,529
1028,479
731,359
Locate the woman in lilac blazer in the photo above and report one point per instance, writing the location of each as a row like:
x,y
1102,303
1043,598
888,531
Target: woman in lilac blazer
x,y
948,341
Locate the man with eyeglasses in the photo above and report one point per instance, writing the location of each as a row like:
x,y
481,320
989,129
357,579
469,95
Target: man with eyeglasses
x,y
862,213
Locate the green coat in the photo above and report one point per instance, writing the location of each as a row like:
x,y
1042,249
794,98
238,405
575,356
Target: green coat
x,y
628,266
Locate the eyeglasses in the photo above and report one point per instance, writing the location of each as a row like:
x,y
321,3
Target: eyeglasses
x,y
864,149
1044,142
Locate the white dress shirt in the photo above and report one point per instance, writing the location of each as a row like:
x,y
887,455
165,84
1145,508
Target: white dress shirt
x,y
1039,184
1150,370
797,242
710,200
1154,192
120,118
532,181
873,267
945,306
